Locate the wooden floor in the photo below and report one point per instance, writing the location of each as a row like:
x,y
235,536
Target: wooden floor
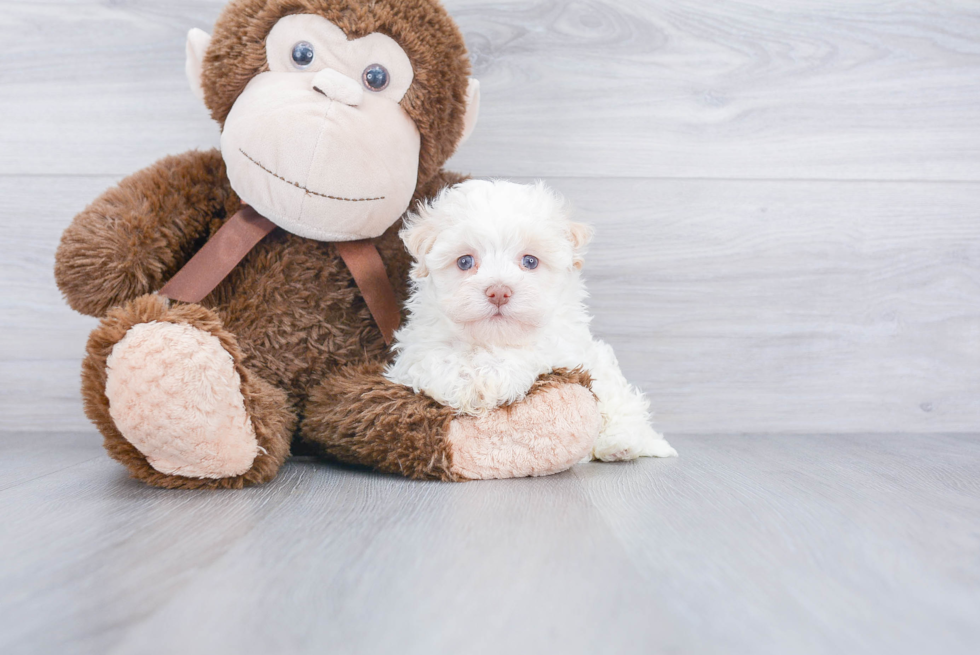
x,y
830,544
787,203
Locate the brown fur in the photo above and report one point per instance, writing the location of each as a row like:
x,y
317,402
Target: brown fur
x,y
135,236
320,320
358,417
290,313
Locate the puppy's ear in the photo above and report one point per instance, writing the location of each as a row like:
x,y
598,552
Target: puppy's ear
x,y
580,235
418,235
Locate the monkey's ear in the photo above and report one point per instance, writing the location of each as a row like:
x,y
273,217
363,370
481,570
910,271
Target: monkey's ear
x,y
472,109
197,44
581,235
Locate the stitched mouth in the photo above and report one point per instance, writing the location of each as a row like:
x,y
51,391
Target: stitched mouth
x,y
300,186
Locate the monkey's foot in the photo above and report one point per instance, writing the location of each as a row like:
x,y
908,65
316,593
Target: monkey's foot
x,y
169,390
174,393
549,431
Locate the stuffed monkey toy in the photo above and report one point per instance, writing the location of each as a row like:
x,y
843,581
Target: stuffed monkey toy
x,y
247,295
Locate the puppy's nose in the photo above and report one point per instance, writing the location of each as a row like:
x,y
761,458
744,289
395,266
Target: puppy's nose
x,y
339,87
499,295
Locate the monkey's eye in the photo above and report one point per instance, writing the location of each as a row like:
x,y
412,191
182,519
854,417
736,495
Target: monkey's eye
x,y
303,54
465,262
530,262
375,77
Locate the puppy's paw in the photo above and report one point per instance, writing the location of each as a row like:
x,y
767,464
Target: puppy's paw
x,y
621,443
471,400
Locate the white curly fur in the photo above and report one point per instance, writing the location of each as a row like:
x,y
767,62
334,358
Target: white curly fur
x,y
464,351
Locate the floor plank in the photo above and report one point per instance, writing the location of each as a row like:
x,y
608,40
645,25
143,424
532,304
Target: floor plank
x,y
742,545
834,89
782,307
762,307
29,456
836,529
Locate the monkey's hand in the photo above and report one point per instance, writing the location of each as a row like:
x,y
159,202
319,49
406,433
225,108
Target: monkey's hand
x,y
135,236
551,429
359,417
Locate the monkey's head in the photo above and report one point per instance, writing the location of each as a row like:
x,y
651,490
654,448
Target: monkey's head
x,y
334,112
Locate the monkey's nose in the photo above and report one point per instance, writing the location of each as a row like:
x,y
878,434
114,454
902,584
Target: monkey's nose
x,y
499,295
338,86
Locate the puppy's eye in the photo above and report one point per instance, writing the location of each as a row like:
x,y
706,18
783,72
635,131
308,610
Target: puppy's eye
x,y
530,262
375,77
303,54
465,262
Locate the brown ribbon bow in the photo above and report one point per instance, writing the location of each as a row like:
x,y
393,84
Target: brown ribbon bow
x,y
243,231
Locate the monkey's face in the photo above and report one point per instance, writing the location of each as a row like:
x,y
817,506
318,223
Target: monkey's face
x,y
332,119
318,140
319,143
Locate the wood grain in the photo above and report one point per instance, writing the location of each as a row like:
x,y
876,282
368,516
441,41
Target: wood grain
x,y
787,203
836,529
791,307
832,89
859,544
828,89
775,307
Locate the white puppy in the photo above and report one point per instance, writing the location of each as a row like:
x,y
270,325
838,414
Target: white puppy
x,y
498,300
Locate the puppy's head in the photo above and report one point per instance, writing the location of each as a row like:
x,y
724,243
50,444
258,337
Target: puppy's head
x,y
496,258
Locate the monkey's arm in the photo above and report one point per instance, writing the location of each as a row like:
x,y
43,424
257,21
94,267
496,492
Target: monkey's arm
x,y
136,235
358,417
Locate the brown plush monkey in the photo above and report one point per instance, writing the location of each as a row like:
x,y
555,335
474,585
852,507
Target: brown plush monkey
x,y
336,117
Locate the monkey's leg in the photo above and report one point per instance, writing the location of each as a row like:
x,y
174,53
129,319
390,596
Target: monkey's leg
x,y
167,388
357,416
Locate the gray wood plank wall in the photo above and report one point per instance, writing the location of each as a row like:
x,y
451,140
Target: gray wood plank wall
x,y
787,195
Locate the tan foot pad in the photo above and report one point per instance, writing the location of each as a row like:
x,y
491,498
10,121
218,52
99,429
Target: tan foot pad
x,y
174,393
545,433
